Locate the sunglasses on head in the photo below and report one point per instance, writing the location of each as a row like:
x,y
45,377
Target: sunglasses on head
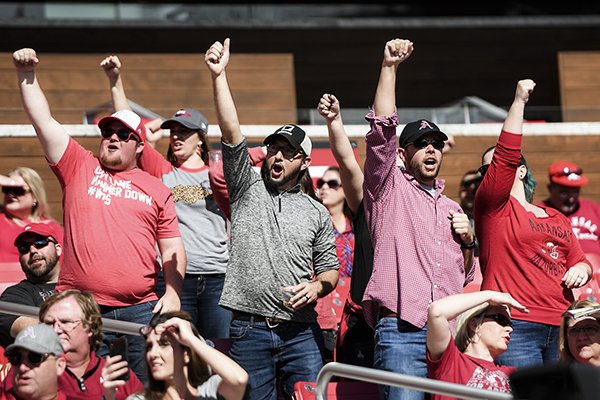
x,y
123,134
437,144
37,243
31,358
332,183
501,319
15,190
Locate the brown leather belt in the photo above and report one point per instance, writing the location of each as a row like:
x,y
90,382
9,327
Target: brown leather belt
x,y
386,312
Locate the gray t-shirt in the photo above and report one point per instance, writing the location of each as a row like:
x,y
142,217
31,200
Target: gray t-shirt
x,y
201,222
277,240
209,390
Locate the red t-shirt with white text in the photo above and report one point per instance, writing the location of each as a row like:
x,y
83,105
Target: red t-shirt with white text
x,y
112,220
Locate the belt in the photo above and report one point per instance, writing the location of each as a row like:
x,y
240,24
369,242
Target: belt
x,y
386,312
272,322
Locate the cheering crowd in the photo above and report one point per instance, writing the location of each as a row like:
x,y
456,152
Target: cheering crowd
x,y
240,246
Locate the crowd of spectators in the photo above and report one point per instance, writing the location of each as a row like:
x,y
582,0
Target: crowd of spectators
x,y
239,245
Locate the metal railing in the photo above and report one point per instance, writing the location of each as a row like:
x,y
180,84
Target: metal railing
x,y
112,325
393,379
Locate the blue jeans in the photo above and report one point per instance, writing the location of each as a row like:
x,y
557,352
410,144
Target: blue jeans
x,y
141,314
531,343
290,351
200,298
400,347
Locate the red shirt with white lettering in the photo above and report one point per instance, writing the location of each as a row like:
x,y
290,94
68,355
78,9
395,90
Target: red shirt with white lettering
x,y
456,367
520,253
112,220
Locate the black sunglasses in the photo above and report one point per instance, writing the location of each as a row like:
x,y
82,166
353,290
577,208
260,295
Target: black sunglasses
x,y
501,319
483,169
422,143
124,135
37,243
332,183
15,190
32,359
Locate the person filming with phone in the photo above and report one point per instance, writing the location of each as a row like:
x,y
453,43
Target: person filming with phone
x,y
75,317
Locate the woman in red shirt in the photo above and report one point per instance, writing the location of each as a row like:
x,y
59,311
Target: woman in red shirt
x,y
482,333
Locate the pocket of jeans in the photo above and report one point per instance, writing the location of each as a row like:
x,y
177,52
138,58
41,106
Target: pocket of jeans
x,y
238,329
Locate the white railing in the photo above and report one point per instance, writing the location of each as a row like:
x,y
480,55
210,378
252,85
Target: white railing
x,y
112,325
393,379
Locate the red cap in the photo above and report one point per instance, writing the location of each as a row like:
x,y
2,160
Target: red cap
x,y
41,229
567,173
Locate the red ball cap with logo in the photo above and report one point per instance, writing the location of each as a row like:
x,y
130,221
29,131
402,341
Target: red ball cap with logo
x,y
567,173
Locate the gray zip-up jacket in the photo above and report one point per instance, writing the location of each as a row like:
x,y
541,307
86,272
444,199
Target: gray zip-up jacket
x,y
277,240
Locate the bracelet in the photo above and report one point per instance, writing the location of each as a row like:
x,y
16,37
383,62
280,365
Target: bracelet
x,y
467,245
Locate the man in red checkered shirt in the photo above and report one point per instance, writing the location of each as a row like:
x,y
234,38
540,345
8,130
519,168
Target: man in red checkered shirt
x,y
423,241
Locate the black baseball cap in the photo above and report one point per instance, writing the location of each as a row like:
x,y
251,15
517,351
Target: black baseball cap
x,y
416,129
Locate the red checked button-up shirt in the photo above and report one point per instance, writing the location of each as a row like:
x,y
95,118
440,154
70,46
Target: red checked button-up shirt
x,y
417,256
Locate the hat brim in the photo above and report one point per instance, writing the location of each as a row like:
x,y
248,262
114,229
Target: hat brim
x,y
169,123
565,181
107,120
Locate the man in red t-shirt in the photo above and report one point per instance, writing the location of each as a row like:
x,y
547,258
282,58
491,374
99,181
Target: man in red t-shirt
x,y
115,215
566,180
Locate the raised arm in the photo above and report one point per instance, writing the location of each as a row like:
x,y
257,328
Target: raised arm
x,y
217,58
514,120
350,173
112,69
444,310
52,136
395,52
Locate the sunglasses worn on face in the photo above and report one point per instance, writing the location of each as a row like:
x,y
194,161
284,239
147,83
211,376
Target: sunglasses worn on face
x,y
332,183
288,153
422,143
590,330
501,319
37,243
31,358
15,190
124,135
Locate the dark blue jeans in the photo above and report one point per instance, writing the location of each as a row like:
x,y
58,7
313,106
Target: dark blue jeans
x,y
141,314
531,344
290,352
200,298
400,347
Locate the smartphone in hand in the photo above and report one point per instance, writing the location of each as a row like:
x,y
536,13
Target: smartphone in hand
x,y
119,347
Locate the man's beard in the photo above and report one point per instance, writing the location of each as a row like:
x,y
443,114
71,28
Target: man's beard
x,y
110,162
43,271
275,185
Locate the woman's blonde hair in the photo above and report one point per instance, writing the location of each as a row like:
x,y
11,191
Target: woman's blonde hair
x,y
464,332
40,209
563,344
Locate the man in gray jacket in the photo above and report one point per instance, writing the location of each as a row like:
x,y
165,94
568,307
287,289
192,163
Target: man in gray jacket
x,y
281,241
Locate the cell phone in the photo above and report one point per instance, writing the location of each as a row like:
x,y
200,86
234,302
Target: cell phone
x,y
119,347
